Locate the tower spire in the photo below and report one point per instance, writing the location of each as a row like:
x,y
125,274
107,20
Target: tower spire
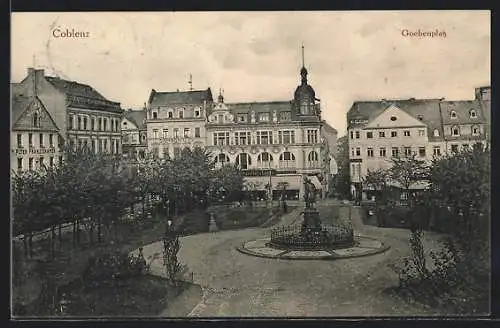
x,y
303,70
303,63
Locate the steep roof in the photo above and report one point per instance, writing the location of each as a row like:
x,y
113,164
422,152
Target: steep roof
x,y
82,95
462,109
328,128
425,110
179,97
19,105
259,107
137,117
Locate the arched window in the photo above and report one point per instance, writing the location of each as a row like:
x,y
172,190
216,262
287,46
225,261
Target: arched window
x,y
475,130
221,160
436,132
453,114
473,113
312,159
155,115
243,160
287,159
455,131
265,160
36,120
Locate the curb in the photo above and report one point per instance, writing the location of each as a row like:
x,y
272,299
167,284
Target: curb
x,y
282,256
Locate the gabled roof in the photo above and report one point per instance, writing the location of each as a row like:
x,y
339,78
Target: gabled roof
x,y
82,95
425,110
137,117
179,97
19,105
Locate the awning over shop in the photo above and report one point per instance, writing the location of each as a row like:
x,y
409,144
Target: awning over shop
x,y
315,181
294,181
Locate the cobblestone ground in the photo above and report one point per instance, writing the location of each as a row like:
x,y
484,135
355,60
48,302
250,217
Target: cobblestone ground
x,y
239,285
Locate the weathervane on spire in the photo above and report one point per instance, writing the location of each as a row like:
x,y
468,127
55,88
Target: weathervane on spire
x,y
190,82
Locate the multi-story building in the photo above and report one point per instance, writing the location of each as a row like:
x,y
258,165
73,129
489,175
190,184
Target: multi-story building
x,y
83,116
379,130
176,120
134,134
272,142
34,135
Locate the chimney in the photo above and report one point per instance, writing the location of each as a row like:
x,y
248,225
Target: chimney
x,y
35,76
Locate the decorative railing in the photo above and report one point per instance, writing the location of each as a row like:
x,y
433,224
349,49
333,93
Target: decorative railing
x,y
296,237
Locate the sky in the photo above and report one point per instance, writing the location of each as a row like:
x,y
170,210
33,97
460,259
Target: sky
x,y
256,56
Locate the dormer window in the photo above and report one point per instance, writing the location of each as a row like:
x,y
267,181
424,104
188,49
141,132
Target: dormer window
x,y
473,113
170,114
181,114
264,117
420,117
196,113
436,132
455,131
453,114
155,115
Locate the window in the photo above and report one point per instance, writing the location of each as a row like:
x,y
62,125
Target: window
x,y
30,139
406,133
394,134
352,152
242,138
99,121
36,120
436,132
395,152
407,151
475,130
186,133
40,162
51,161
181,114
79,123
420,117
393,118
92,123
94,145
30,163
105,145
243,161
264,137
105,124
473,113
369,152
421,133
313,159
264,160
60,160
352,134
357,134
369,135
453,114
242,118
170,115
264,117
287,160
19,164
221,138
383,152
155,134
421,151
85,123
19,140
285,116
436,150
165,133
196,132
312,136
286,137
381,134
72,122
196,113
177,151
41,140
176,133
454,148
155,115
358,151
221,159
455,131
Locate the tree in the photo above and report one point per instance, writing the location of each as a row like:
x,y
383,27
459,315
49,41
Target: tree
x,y
342,181
227,184
376,180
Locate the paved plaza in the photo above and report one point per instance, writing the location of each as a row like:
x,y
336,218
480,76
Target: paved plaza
x,y
239,285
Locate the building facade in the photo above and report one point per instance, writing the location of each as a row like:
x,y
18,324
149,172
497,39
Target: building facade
x,y
134,134
273,142
83,116
380,130
35,137
176,120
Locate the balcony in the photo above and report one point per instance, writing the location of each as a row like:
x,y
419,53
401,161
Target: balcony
x,y
287,164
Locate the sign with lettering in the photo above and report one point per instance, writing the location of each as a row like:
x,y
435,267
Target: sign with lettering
x,y
21,151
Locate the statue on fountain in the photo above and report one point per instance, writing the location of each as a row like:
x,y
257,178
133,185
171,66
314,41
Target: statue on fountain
x,y
309,193
311,222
